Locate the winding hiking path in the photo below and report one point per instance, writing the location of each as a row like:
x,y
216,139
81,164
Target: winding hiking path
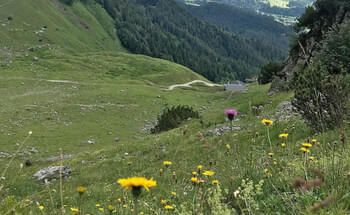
x,y
193,82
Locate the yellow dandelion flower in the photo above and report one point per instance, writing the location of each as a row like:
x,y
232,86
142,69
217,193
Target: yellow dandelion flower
x,y
283,136
199,167
314,140
167,163
270,154
119,200
111,208
305,150
266,170
129,163
125,206
214,182
194,180
81,189
267,122
169,207
98,205
228,146
312,158
141,213
173,194
137,182
163,201
201,180
275,163
194,173
160,171
74,209
41,207
101,209
307,145
208,173
283,145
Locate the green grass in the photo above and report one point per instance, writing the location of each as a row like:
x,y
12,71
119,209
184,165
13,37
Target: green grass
x,y
115,94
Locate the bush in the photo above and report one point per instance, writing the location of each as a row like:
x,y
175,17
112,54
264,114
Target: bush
x,y
322,90
173,117
268,71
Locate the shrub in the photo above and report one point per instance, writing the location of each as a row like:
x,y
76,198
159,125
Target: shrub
x,y
322,89
173,117
268,71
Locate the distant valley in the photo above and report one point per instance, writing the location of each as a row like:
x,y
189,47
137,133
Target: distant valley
x,y
284,11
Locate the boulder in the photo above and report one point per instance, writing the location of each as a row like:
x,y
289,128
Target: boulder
x,y
52,173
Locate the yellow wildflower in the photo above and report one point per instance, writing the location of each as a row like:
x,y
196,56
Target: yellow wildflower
x,y
81,189
41,207
266,170
275,163
283,144
111,208
137,182
141,213
267,122
163,201
169,207
119,200
208,173
101,209
314,140
312,158
173,194
160,171
194,180
304,149
307,145
214,182
125,206
270,154
194,173
74,209
283,136
167,163
201,180
199,167
98,205
228,146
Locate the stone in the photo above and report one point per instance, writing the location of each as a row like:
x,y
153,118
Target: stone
x,y
5,155
91,141
116,139
52,173
57,158
35,59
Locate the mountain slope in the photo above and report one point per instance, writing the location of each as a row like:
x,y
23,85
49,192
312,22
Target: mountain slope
x,y
163,29
26,24
245,23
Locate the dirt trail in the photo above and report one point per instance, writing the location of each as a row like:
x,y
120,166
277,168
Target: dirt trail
x,y
193,82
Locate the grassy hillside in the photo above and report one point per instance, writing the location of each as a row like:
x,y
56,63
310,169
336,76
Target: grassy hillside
x,y
76,99
27,24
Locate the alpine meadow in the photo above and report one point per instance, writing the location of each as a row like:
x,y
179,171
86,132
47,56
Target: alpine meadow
x,y
160,107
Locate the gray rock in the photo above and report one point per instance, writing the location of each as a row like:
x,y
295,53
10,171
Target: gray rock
x,y
5,155
57,158
116,139
285,111
35,59
91,141
224,129
52,173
